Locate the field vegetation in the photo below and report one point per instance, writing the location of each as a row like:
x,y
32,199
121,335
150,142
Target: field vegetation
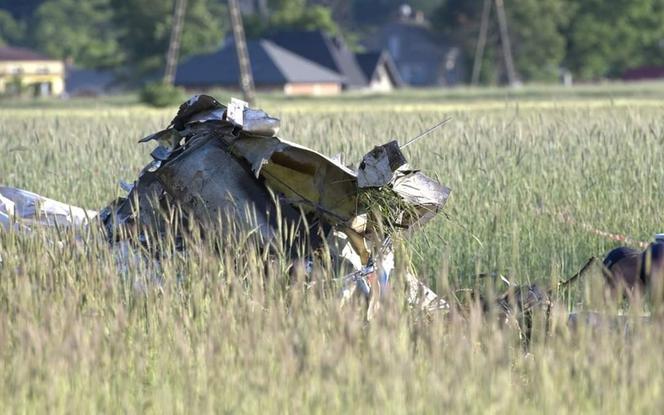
x,y
530,173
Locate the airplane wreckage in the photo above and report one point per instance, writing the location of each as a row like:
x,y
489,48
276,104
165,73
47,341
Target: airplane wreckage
x,y
224,169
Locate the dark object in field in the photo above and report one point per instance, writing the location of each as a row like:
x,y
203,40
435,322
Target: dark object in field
x,y
524,299
633,271
519,305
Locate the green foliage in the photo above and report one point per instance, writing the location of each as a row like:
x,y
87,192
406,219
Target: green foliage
x,y
161,95
78,30
292,14
145,27
593,38
11,31
535,29
607,37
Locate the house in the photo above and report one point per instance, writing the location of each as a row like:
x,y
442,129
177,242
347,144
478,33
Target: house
x,y
421,58
328,51
22,70
380,71
274,69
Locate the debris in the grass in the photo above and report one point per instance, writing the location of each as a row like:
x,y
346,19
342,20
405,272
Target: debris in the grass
x,y
20,207
634,270
223,170
420,296
378,166
225,165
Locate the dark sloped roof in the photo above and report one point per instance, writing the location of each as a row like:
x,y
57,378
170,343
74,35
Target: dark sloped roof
x,y
370,61
8,53
330,52
270,64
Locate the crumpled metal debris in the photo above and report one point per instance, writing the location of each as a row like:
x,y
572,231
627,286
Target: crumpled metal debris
x,y
378,166
224,169
21,208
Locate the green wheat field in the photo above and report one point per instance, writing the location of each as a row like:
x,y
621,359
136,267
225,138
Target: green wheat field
x,y
218,335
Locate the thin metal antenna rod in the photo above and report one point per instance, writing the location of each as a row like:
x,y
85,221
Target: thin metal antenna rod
x,y
427,132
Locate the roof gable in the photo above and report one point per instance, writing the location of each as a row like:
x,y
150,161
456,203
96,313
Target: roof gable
x,y
8,53
371,61
270,65
324,50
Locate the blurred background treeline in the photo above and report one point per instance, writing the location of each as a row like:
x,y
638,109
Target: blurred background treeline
x,y
591,39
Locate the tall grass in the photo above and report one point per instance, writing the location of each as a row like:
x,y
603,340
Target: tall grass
x,y
78,333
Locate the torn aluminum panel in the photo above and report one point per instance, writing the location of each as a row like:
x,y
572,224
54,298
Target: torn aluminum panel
x,y
235,111
307,179
425,195
378,166
257,122
21,206
253,121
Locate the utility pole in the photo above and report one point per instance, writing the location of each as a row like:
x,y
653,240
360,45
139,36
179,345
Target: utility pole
x,y
174,43
505,42
246,78
481,43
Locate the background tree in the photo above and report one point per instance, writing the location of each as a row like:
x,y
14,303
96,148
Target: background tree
x,y
79,30
292,14
144,29
605,37
11,31
536,29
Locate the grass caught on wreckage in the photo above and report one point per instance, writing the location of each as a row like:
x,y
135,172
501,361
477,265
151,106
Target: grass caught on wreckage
x,y
78,335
